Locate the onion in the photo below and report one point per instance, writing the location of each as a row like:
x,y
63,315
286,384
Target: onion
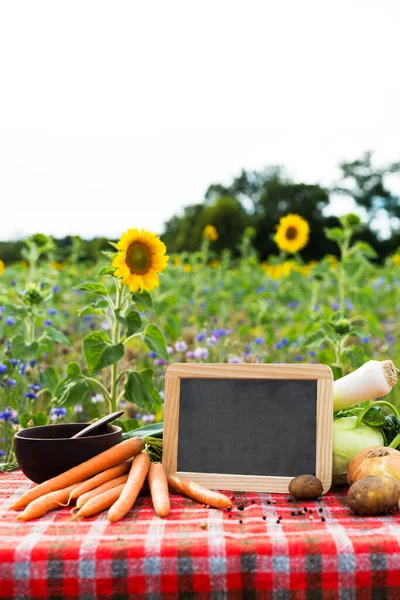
x,y
372,380
376,460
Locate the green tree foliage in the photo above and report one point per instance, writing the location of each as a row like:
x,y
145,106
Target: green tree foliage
x,y
367,184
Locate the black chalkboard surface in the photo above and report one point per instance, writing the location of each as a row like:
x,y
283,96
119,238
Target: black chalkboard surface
x,y
241,426
248,426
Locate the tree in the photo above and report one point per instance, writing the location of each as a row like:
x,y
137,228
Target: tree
x,y
367,184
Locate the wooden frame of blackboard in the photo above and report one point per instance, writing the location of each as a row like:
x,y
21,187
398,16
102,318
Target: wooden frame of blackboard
x,y
324,410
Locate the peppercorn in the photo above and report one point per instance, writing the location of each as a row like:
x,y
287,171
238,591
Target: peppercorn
x,y
305,509
310,511
320,509
240,507
264,518
253,501
293,513
289,500
323,519
229,508
268,501
240,521
233,498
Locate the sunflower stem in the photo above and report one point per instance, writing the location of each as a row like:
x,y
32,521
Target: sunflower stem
x,y
116,333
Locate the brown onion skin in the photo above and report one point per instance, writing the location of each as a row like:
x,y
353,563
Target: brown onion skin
x,y
368,462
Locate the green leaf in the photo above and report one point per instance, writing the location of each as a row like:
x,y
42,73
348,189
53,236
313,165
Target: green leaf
x,y
315,339
57,336
143,300
15,311
355,355
39,418
154,430
135,391
154,339
20,349
335,234
90,309
131,321
365,249
73,370
147,375
351,268
127,425
73,389
95,288
100,352
49,379
105,271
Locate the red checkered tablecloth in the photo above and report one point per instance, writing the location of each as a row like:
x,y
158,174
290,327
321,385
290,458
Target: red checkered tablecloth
x,y
201,553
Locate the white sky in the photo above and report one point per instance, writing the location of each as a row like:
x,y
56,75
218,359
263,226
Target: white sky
x,y
117,114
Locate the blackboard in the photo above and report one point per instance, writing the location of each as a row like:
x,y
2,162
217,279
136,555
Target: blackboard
x,y
248,427
221,423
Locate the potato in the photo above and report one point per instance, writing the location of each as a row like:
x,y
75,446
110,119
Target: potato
x,y
305,487
373,495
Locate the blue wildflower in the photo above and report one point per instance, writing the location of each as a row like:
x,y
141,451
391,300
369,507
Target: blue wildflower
x,y
22,369
11,382
3,368
152,354
55,289
7,414
365,339
48,322
220,332
298,358
15,362
312,353
35,387
279,346
316,308
200,337
334,306
2,309
389,338
285,341
2,453
57,413
349,305
33,362
52,311
30,395
13,282
259,340
9,321
293,304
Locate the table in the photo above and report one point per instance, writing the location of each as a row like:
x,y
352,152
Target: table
x,y
201,553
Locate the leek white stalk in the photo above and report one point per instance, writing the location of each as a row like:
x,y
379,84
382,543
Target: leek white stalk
x,y
372,380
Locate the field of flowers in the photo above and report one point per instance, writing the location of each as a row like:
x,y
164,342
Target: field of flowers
x,y
78,340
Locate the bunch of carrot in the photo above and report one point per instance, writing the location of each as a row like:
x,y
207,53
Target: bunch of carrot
x,y
112,480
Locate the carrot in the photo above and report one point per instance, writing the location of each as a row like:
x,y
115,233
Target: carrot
x,y
101,462
99,503
44,504
198,492
136,477
108,485
98,480
157,478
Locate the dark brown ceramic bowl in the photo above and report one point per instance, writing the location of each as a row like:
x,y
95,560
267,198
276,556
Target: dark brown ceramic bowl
x,y
46,451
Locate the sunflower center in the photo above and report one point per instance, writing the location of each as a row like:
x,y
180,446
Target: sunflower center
x,y
291,233
138,258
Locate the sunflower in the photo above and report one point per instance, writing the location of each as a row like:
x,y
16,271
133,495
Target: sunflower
x,y
140,257
292,234
2,267
210,233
